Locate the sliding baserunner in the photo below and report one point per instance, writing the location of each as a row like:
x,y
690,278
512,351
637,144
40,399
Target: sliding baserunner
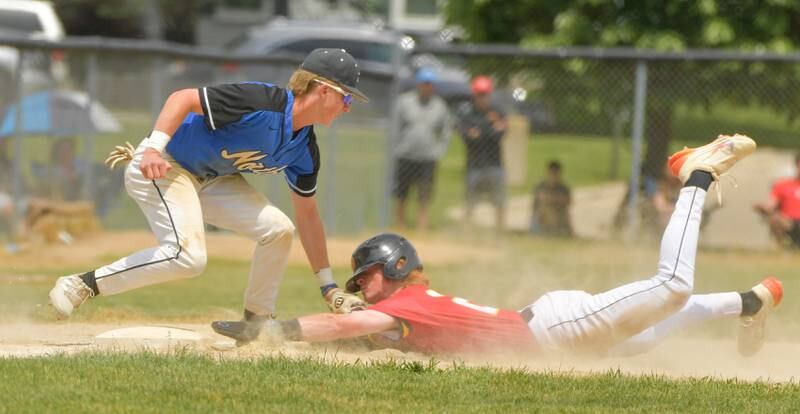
x,y
626,320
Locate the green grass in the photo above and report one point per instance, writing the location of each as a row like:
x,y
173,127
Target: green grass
x,y
186,383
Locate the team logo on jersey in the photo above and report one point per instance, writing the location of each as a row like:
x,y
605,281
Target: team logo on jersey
x,y
248,161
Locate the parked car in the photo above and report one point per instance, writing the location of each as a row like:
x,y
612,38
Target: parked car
x,y
370,46
36,20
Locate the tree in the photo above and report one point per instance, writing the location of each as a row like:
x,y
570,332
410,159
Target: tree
x,y
666,25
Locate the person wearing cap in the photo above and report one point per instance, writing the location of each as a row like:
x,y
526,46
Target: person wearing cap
x,y
424,134
190,171
482,126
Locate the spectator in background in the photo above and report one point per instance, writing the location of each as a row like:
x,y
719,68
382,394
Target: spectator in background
x,y
6,202
62,177
482,126
424,134
551,203
782,210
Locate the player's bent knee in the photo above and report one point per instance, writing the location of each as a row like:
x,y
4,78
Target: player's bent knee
x,y
191,263
280,233
680,292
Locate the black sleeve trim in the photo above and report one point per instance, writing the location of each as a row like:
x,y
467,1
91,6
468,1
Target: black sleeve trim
x,y
226,104
306,185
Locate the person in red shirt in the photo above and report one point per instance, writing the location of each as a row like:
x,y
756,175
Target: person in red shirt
x,y
782,210
627,320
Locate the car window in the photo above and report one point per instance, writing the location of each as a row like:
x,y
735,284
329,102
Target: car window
x,y
361,51
20,21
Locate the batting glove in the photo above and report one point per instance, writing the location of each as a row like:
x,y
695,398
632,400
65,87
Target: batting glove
x,y
121,154
343,302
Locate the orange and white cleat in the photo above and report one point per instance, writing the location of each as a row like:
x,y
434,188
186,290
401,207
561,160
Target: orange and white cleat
x,y
751,328
717,157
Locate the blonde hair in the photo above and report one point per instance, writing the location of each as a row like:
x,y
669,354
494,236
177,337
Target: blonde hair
x,y
416,277
302,82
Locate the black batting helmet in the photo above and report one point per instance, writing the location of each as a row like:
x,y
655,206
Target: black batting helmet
x,y
393,251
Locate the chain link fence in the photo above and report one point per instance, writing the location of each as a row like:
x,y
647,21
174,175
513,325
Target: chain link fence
x,y
548,142
92,94
582,127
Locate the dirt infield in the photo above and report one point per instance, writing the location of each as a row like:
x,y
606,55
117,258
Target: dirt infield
x,y
676,358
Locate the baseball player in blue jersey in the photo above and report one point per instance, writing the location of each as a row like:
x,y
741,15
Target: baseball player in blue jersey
x,y
189,171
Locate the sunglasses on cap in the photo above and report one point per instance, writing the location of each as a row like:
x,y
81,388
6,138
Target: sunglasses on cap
x,y
347,97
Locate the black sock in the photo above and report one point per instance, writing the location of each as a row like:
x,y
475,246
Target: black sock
x,y
699,179
751,303
90,281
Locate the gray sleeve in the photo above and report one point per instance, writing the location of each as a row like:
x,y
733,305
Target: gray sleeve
x,y
444,131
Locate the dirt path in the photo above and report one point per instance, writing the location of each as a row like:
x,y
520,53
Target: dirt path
x,y
676,358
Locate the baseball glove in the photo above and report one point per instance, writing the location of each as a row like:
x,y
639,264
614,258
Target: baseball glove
x,y
344,302
121,154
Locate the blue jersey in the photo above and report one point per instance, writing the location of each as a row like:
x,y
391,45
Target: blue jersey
x,y
247,128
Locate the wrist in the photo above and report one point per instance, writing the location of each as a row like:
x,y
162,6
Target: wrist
x,y
325,276
157,141
328,290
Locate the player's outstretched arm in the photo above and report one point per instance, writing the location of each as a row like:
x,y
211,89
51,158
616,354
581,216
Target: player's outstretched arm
x,y
329,327
312,236
321,327
311,231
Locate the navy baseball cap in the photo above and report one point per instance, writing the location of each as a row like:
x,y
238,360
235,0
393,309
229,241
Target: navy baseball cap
x,y
336,65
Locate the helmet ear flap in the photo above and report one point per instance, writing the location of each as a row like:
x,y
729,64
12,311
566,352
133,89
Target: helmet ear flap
x,y
394,252
396,269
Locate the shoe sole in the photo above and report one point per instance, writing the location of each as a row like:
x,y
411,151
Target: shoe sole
x,y
678,159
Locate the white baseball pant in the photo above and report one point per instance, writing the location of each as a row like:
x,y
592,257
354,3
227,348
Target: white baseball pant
x,y
176,207
578,321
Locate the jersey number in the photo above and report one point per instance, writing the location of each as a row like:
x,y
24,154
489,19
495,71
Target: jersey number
x,y
463,302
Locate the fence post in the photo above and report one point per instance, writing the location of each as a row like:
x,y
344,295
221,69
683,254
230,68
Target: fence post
x,y
394,126
639,102
89,145
156,87
16,162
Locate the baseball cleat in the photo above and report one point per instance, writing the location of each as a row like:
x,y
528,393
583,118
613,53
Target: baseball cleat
x,y
716,158
68,294
243,331
751,328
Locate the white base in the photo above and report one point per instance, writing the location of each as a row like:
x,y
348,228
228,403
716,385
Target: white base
x,y
148,337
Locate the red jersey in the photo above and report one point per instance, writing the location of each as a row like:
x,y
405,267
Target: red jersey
x,y
787,193
435,323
